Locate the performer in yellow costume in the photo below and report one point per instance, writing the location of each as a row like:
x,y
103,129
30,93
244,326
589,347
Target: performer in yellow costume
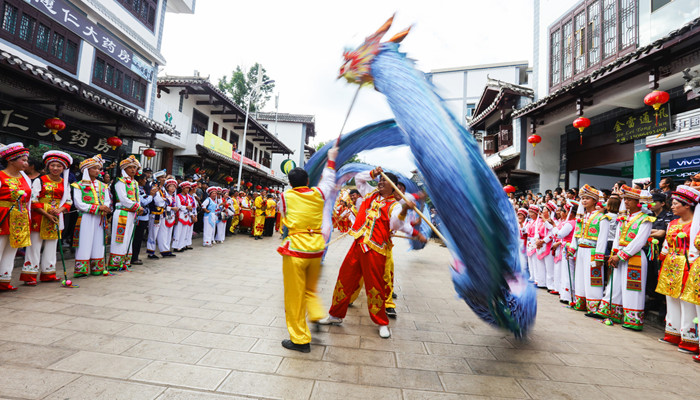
x,y
301,211
259,224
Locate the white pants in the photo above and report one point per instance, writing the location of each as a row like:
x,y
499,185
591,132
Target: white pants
x,y
7,259
589,281
120,252
566,281
540,272
165,237
531,267
153,230
220,231
552,276
188,235
35,259
523,261
89,256
207,231
679,321
626,306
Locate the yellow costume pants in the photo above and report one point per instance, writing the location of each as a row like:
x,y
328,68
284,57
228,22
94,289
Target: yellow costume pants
x,y
234,224
258,225
300,278
388,279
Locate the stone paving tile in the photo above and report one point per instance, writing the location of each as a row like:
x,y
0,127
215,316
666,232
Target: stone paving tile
x,y
336,390
458,350
399,378
326,339
158,333
220,341
560,390
433,363
482,385
175,374
205,325
94,325
34,318
93,388
31,383
283,387
479,340
319,370
395,345
424,395
32,334
166,352
96,342
100,364
242,308
363,357
561,373
624,393
241,361
244,318
31,355
35,305
525,356
139,317
505,368
179,394
88,311
274,347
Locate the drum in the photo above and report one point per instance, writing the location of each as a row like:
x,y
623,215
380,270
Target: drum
x,y
248,218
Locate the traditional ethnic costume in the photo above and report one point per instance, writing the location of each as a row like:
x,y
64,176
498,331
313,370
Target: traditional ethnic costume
x,y
589,243
235,218
15,217
627,280
546,256
562,261
270,213
192,201
184,219
168,221
89,237
531,246
126,209
680,329
224,216
155,222
301,210
209,209
367,256
259,223
47,195
522,243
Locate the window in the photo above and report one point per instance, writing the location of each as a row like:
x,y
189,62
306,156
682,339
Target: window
x,y
199,122
117,79
215,129
233,138
249,149
224,133
470,109
27,27
595,33
255,154
656,4
143,10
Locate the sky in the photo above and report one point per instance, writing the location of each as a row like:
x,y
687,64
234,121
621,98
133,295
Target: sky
x,y
300,44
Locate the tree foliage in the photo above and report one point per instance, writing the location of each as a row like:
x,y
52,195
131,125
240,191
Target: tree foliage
x,y
240,84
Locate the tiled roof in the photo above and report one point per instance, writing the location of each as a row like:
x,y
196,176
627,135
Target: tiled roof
x,y
81,91
285,117
612,66
503,89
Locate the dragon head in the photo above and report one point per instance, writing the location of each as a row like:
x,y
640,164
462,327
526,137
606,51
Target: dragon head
x,y
356,66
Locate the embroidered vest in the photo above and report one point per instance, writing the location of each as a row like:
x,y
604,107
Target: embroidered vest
x,y
15,196
49,197
372,224
89,194
630,228
590,228
132,193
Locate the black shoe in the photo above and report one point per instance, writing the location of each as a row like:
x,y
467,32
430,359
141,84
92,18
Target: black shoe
x,y
394,295
594,315
189,248
391,312
304,348
153,257
178,250
164,255
136,262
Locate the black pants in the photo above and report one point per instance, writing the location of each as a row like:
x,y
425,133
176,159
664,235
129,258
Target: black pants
x,y
269,226
138,239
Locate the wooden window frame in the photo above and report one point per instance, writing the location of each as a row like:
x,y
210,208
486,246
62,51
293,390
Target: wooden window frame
x,y
132,87
151,7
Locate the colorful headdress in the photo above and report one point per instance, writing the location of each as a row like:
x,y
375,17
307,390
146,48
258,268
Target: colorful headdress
x,y
686,195
570,204
212,189
184,184
551,205
645,197
129,161
224,190
534,208
589,191
522,211
13,151
631,193
58,156
170,182
95,161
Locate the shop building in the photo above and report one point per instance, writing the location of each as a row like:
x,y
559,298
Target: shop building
x,y
294,130
603,57
212,127
92,64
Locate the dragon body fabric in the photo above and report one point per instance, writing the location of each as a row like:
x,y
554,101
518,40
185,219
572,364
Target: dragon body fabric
x,y
478,220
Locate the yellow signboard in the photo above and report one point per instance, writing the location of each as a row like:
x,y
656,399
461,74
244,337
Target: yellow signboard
x,y
217,144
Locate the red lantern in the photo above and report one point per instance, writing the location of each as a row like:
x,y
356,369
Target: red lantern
x,y
228,179
509,189
267,189
196,170
114,142
149,153
258,187
581,123
55,125
534,139
656,99
249,184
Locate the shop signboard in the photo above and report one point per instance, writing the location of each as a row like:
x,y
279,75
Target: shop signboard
x,y
65,14
246,160
642,124
679,174
217,144
26,125
685,162
686,127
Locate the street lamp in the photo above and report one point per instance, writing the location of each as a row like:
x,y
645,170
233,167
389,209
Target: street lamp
x,y
245,126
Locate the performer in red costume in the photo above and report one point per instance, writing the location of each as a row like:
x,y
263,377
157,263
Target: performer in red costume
x,y
379,214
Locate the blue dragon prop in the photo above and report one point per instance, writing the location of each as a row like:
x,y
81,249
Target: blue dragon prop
x,y
482,230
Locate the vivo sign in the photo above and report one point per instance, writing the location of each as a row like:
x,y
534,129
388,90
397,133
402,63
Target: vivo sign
x,y
686,162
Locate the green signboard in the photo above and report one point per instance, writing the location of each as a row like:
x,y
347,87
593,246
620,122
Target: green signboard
x,y
642,124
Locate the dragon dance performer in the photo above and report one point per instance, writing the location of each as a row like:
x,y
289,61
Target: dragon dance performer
x,y
626,306
680,329
184,217
259,223
209,209
15,203
155,222
169,218
50,199
562,261
379,214
301,210
126,209
270,214
589,243
93,200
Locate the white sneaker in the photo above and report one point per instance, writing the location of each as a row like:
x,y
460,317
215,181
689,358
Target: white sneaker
x,y
384,332
330,320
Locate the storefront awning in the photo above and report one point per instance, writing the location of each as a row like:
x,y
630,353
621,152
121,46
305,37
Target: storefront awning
x,y
205,152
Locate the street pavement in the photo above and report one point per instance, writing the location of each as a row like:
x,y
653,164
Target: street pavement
x,y
208,325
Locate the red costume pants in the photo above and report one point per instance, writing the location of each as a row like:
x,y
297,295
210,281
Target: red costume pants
x,y
359,264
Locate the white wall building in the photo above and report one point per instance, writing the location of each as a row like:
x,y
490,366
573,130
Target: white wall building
x,y
295,131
